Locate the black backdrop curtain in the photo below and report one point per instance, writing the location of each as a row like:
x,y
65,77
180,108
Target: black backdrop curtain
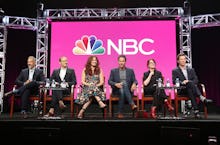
x,y
205,59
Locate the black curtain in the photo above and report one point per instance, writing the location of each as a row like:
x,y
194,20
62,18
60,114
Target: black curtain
x,y
20,44
205,59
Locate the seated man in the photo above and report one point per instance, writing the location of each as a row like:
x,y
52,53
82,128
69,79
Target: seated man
x,y
28,83
61,75
189,79
123,83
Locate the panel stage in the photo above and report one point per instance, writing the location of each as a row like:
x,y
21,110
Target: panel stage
x,y
94,129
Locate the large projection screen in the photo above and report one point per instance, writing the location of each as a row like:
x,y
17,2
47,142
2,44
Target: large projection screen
x,y
139,40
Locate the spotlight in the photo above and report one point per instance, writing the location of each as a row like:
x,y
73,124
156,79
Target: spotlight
x,y
40,9
2,12
187,8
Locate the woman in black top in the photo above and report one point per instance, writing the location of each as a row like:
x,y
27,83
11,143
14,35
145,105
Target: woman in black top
x,y
150,82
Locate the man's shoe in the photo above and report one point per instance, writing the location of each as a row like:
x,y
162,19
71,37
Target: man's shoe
x,y
197,114
24,114
8,93
11,92
207,101
120,116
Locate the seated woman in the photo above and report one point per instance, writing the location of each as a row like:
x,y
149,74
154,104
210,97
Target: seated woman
x,y
92,86
149,80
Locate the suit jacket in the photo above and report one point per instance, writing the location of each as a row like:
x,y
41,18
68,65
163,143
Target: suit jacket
x,y
150,88
177,73
24,74
70,76
115,78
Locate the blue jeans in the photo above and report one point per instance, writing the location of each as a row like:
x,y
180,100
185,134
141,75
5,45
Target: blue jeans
x,y
124,93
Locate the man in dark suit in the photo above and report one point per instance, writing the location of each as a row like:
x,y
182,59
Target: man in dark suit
x,y
28,83
188,78
61,75
123,83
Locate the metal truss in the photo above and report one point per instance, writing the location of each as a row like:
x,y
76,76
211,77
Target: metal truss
x,y
113,12
19,22
42,45
40,25
3,40
208,20
185,38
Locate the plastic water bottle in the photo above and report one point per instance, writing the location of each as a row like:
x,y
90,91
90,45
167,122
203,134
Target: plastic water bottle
x,y
47,83
35,106
177,82
168,83
53,84
159,82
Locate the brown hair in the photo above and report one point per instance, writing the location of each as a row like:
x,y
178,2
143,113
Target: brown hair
x,y
88,69
122,56
148,61
180,54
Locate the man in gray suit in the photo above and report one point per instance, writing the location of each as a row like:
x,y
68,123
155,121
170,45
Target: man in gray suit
x,y
123,83
188,78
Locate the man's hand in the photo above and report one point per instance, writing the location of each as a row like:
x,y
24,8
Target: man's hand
x,y
28,81
185,82
133,87
119,85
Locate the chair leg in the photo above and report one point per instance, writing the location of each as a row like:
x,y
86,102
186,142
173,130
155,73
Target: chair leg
x,y
72,108
205,112
12,106
176,108
142,104
138,103
45,105
110,108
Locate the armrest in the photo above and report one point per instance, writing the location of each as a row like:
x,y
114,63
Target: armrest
x,y
203,89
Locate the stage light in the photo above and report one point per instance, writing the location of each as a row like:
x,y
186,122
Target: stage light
x,y
2,12
5,20
40,9
186,8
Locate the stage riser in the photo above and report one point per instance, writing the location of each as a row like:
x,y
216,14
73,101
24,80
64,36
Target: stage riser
x,y
113,132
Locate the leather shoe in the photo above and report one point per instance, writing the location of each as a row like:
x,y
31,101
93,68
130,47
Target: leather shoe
x,y
197,114
120,116
49,114
24,114
207,101
11,93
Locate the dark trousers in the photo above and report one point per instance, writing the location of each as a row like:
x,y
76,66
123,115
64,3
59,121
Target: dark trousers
x,y
192,91
25,91
124,94
159,95
57,95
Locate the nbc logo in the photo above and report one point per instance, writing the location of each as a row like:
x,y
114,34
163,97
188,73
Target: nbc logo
x,y
88,45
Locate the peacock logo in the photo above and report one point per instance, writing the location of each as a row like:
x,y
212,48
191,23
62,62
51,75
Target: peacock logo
x,y
88,45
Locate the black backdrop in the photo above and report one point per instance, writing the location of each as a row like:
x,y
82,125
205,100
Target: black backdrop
x,y
205,41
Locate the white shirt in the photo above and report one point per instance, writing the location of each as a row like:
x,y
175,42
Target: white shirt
x,y
31,74
184,70
62,73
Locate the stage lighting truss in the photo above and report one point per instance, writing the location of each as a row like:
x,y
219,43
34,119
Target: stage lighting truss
x,y
112,13
19,22
3,36
208,20
40,25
